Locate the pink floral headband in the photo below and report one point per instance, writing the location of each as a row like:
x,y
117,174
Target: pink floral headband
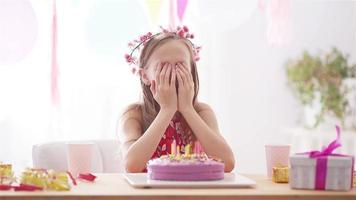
x,y
136,44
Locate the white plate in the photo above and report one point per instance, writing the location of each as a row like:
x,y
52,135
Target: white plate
x,y
231,180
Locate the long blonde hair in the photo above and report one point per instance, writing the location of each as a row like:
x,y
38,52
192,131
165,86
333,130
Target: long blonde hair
x,y
149,106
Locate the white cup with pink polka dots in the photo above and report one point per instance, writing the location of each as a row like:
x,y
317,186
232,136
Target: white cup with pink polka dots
x,y
276,155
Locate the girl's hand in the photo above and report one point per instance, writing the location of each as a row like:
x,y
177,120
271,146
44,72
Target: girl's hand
x,y
163,87
185,88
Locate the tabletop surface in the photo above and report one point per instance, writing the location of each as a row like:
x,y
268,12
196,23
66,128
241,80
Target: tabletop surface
x,y
114,186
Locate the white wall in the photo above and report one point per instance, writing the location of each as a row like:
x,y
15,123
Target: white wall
x,y
248,86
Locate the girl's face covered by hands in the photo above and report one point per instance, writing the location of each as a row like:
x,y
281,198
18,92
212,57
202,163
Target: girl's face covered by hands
x,y
171,52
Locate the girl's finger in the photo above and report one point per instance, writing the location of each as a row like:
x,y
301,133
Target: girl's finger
x,y
173,79
183,65
158,71
153,87
183,75
179,78
189,72
168,74
185,70
163,73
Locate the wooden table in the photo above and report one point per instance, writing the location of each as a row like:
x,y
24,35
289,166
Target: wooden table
x,y
113,186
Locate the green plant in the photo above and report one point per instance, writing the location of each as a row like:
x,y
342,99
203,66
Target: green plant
x,y
324,75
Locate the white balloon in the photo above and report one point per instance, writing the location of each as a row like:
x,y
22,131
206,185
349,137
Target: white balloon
x,y
18,30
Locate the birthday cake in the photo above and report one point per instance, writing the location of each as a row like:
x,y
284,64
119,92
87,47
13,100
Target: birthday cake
x,y
185,167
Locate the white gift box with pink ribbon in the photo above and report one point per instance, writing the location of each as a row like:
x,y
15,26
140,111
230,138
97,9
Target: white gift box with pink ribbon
x,y
322,170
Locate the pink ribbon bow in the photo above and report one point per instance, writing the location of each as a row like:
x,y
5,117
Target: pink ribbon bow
x,y
329,149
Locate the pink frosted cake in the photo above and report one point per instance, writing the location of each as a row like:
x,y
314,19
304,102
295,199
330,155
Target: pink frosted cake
x,y
187,167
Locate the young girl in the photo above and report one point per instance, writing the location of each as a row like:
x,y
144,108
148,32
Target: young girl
x,y
170,110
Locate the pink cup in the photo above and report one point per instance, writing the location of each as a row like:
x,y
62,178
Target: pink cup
x,y
276,155
79,157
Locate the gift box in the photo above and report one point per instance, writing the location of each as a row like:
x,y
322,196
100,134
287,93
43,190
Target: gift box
x,y
322,170
280,174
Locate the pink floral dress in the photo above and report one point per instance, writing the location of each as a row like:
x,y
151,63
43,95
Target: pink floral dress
x,y
178,131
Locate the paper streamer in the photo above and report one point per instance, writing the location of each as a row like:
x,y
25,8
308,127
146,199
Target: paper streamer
x,y
87,176
181,7
261,5
54,64
172,19
279,29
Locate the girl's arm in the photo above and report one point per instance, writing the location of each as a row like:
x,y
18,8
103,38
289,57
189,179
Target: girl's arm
x,y
138,148
203,124
205,127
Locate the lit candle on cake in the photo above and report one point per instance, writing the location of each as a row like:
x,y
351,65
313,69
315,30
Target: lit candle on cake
x,y
197,148
178,151
174,147
187,150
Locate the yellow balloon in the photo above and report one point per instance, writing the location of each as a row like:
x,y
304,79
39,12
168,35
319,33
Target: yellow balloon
x,y
154,9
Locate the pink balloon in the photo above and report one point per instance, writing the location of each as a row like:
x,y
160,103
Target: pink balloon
x,y
181,6
279,29
18,30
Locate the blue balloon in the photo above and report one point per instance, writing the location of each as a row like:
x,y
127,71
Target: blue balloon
x,y
112,24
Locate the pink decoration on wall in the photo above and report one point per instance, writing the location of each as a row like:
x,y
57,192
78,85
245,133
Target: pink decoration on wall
x,y
279,30
262,5
54,64
18,30
181,6
172,19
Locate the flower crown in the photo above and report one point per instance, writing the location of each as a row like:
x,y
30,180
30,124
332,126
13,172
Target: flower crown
x,y
182,32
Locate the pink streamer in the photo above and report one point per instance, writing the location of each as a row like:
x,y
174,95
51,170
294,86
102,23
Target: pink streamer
x,y
261,5
87,176
54,65
181,6
25,187
172,20
5,187
72,178
279,30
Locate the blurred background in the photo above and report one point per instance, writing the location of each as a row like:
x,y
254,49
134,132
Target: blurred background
x,y
274,71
